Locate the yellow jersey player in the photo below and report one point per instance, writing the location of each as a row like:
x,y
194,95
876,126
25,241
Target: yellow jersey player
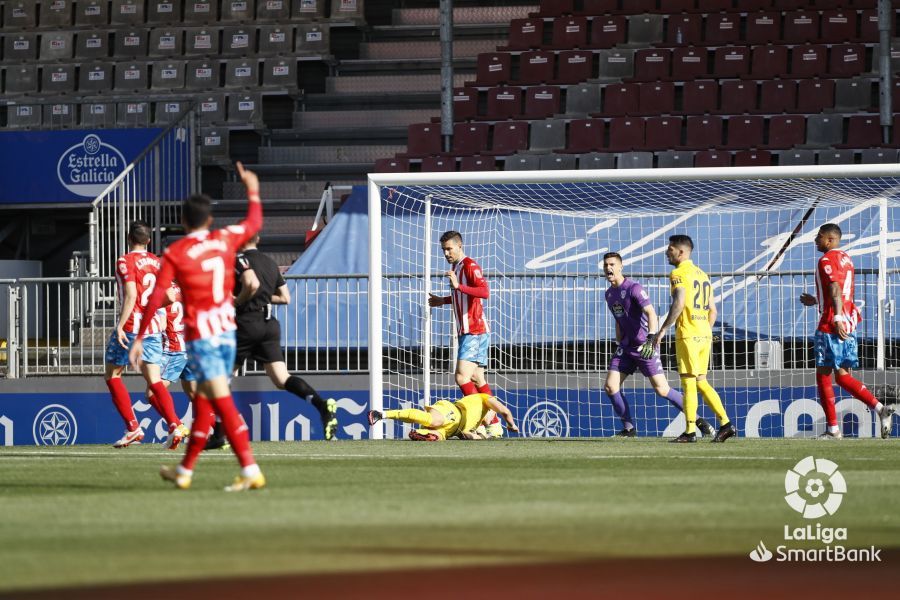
x,y
445,419
693,312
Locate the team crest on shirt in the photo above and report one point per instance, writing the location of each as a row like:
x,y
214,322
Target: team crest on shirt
x,y
618,310
623,293
645,295
123,268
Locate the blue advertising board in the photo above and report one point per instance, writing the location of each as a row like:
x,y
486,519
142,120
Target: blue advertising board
x,y
66,166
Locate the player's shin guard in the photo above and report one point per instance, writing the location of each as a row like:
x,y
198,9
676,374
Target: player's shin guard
x,y
675,398
826,398
203,420
235,429
711,397
689,386
410,415
485,389
122,402
620,406
298,387
856,388
164,403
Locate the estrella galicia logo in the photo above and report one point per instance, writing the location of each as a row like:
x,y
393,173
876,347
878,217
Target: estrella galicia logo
x,y
55,425
545,419
87,168
806,485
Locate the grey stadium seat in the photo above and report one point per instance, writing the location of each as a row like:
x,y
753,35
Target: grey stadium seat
x,y
19,15
165,41
674,159
133,114
276,39
163,11
98,114
522,162
58,79
167,75
836,157
616,64
23,115
130,43
308,9
238,41
242,72
20,47
127,12
645,30
201,11
547,135
91,44
244,108
211,109
873,156
237,10
634,160
797,157
57,13
201,41
92,12
167,111
280,72
97,77
273,10
343,11
583,99
824,130
557,162
214,145
22,79
56,45
130,76
597,160
202,75
58,116
853,94
313,38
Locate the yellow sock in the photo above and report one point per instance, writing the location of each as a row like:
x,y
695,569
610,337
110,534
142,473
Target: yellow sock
x,y
410,415
689,390
711,397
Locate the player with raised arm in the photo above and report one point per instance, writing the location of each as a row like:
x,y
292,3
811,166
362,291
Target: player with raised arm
x,y
203,264
835,338
445,419
693,312
635,320
136,275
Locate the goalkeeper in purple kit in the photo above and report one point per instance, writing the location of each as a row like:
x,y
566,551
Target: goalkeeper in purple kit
x,y
635,320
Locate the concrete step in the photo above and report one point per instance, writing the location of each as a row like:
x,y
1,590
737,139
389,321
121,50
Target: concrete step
x,y
463,15
326,154
425,49
395,84
361,119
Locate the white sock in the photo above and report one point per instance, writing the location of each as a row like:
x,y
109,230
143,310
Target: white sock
x,y
250,470
182,471
879,407
832,429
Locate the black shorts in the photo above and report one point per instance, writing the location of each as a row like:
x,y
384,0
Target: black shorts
x,y
258,339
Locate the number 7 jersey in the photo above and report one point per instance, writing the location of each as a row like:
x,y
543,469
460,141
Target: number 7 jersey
x,y
694,319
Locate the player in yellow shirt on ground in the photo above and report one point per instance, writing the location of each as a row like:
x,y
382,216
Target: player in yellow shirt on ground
x,y
693,312
445,419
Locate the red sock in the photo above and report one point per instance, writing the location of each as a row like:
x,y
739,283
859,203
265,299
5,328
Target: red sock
x,y
203,420
468,388
152,400
856,388
485,389
826,398
165,406
496,419
235,430
122,402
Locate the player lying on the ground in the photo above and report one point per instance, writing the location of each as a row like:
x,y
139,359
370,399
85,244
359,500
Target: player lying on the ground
x,y
445,419
635,322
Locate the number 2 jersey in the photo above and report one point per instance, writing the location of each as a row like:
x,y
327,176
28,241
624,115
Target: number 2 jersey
x,y
694,319
835,266
142,268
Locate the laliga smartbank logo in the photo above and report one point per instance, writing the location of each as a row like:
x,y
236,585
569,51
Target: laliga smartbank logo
x,y
87,168
815,488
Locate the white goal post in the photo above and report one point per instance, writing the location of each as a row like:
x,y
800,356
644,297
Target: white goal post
x,y
539,236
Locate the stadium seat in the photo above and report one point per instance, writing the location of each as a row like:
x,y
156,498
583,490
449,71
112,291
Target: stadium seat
x,y
308,9
96,77
644,30
541,102
607,31
470,138
130,43
59,115
536,67
853,94
201,42
313,39
809,60
634,160
801,26
21,79
160,12
797,158
274,39
824,131
347,10
280,72
19,15
700,97
657,98
509,137
847,60
557,162
525,34
202,75
23,116
585,135
723,29
214,145
133,114
92,12
768,62
738,97
671,7
201,11
167,111
745,132
815,95
438,164
569,32
752,158
777,95
477,163
522,162
21,47
91,44
547,135
620,99
98,115
242,73
712,158
56,45
56,14
597,160
626,134
836,157
58,79
555,8
652,64
731,61
583,99
465,104
126,12
868,26
871,156
238,41
689,63
391,165
237,10
862,132
663,133
130,76
493,68
166,42
674,160
245,108
615,64
711,6
424,139
683,30
504,103
786,131
838,26
763,28
574,66
599,7
703,132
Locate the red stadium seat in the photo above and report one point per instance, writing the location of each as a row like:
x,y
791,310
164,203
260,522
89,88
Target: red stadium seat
x,y
801,26
470,138
465,104
712,158
863,132
703,133
391,165
585,135
671,7
525,34
438,164
493,68
815,95
752,158
637,7
662,133
555,8
738,97
569,32
700,97
732,61
763,28
477,163
754,5
689,63
808,61
424,140
768,62
723,29
652,64
684,30
536,66
847,60
574,66
777,95
868,26
541,102
504,103
656,98
509,138
745,132
786,131
620,99
607,31
626,134
838,26
712,6
599,7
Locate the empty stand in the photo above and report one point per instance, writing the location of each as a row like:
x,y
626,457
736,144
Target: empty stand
x,y
626,134
663,133
652,64
536,67
786,131
608,31
470,138
583,99
547,135
574,66
504,103
477,163
493,68
621,99
525,34
745,132
541,102
699,97
597,160
703,132
509,137
777,96
585,135
824,131
557,162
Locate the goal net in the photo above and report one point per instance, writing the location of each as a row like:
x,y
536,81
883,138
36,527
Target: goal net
x,y
540,237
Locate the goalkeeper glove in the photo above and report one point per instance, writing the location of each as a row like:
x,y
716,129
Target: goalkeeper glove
x,y
647,348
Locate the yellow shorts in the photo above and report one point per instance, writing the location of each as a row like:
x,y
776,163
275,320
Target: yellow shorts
x,y
451,416
693,355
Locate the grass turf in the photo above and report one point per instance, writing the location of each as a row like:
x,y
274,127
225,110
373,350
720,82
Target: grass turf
x,y
90,515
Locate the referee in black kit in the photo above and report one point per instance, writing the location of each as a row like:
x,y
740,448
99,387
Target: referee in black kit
x,y
259,285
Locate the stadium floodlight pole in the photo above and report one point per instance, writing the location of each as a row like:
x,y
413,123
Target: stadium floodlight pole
x,y
885,20
446,33
376,388
426,330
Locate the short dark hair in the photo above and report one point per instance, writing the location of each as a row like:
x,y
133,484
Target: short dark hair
x,y
682,240
450,235
831,228
615,255
139,233
196,210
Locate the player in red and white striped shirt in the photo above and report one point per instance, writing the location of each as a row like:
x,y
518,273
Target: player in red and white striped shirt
x,y
203,264
468,289
835,339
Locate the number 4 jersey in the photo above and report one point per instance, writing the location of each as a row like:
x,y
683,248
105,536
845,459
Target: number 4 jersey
x,y
694,319
141,268
835,266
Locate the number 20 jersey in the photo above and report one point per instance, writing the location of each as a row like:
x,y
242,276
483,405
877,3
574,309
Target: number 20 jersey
x,y
694,319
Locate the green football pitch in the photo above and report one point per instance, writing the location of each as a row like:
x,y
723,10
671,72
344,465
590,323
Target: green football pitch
x,y
90,515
